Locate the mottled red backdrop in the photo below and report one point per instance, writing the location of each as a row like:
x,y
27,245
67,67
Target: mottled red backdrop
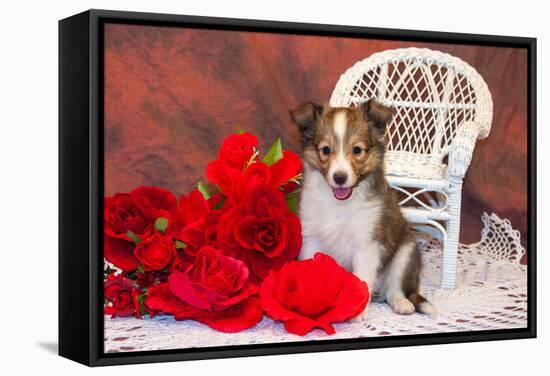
x,y
173,94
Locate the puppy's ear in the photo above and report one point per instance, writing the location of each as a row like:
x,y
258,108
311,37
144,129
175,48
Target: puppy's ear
x,y
307,117
376,114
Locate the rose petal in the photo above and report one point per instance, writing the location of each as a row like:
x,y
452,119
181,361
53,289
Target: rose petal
x,y
240,317
181,286
120,253
285,168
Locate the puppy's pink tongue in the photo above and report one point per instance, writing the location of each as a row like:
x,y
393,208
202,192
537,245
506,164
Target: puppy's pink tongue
x,y
342,193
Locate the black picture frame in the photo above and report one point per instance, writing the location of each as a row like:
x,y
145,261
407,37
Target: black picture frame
x,y
81,187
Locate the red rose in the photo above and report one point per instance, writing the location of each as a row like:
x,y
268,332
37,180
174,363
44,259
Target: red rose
x,y
213,282
261,230
127,212
134,212
256,174
213,290
238,168
313,294
121,296
155,252
137,211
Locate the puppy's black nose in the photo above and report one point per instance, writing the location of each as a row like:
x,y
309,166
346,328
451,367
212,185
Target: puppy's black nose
x,y
340,177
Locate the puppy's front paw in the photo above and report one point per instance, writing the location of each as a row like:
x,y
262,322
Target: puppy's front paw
x,y
362,317
402,306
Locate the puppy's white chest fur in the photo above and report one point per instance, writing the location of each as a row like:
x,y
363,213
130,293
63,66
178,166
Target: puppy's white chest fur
x,y
337,228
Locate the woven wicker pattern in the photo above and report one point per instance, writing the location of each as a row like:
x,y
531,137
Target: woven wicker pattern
x,y
433,93
442,107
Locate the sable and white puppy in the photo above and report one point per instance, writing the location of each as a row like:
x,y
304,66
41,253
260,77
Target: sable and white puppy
x,y
348,210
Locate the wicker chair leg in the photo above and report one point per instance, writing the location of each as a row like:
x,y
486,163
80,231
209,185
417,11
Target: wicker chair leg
x,y
450,245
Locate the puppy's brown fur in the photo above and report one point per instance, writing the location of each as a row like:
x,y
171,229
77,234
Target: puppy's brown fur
x,y
362,145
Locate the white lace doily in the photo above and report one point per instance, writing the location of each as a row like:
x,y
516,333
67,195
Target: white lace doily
x,y
491,293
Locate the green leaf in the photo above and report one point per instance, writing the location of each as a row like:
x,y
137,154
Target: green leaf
x,y
180,245
141,302
202,189
142,310
274,154
133,236
140,269
239,130
220,203
292,203
161,223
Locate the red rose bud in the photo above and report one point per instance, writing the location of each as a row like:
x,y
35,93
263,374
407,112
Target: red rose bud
x,y
121,296
236,153
156,252
313,294
238,149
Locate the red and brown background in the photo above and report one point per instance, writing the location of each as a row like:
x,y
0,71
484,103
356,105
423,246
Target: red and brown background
x,y
173,94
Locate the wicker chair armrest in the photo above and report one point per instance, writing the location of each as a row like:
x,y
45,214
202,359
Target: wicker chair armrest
x,y
462,148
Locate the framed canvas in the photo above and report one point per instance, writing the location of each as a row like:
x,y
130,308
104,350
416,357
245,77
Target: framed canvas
x,y
239,187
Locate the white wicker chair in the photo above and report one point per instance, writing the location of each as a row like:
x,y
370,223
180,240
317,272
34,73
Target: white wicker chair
x,y
442,106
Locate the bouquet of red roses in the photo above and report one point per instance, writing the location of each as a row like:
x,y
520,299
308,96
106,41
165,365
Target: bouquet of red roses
x,y
206,255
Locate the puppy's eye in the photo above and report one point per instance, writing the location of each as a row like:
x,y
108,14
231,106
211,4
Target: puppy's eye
x,y
357,150
325,150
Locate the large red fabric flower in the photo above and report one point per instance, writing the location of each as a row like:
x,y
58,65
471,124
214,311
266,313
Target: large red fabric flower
x,y
133,212
155,252
313,294
121,296
214,290
261,230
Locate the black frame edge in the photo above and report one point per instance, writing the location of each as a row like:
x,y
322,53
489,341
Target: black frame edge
x,y
86,345
532,187
243,24
75,252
